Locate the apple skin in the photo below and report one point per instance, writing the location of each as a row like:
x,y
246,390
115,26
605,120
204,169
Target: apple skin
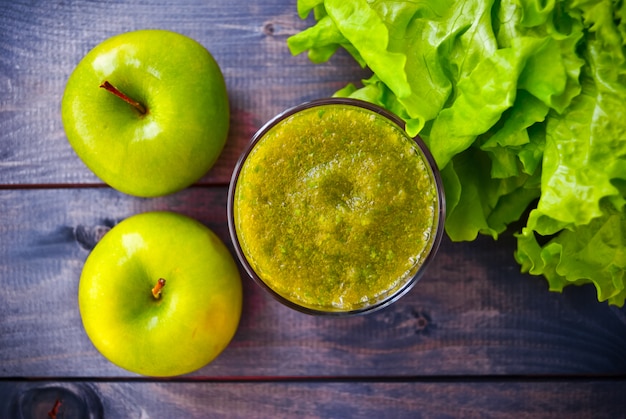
x,y
197,313
185,127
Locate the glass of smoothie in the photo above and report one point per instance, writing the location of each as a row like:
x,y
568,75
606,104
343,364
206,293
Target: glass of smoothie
x,y
334,209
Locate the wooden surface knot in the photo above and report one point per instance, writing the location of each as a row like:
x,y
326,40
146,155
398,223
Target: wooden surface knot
x,y
269,29
422,321
88,236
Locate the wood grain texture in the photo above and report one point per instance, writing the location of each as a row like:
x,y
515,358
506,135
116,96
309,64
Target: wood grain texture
x,y
595,399
471,314
41,44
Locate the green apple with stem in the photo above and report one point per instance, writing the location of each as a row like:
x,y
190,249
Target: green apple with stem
x,y
147,111
160,294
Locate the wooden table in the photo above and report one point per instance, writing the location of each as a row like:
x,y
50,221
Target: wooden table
x,y
474,338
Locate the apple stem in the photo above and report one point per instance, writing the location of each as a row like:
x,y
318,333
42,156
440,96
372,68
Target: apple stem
x,y
156,291
55,409
132,102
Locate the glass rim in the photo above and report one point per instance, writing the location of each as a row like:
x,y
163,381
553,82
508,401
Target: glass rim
x,y
409,282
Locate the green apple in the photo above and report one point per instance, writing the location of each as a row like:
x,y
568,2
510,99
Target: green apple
x,y
160,295
147,111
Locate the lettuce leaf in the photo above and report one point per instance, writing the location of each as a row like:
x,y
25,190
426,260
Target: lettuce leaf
x,y
581,210
591,253
522,104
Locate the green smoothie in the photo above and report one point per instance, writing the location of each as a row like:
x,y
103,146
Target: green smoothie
x,y
335,208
